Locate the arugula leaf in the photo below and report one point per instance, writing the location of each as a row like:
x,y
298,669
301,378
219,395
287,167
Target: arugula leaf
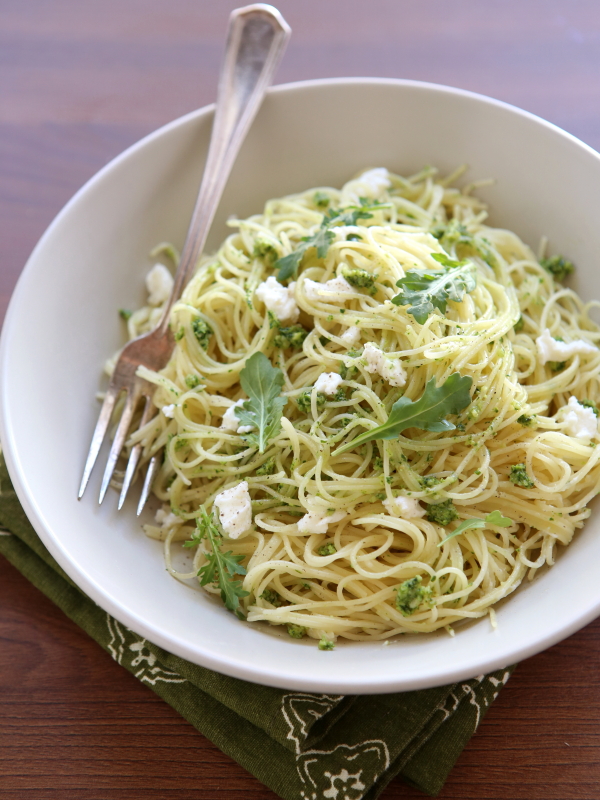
x,y
351,214
288,265
424,289
495,518
446,261
262,383
321,241
427,413
220,568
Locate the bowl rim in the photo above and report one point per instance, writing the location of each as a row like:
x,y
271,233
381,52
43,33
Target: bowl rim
x,y
226,665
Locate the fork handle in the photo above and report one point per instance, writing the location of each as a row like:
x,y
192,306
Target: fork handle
x,y
256,39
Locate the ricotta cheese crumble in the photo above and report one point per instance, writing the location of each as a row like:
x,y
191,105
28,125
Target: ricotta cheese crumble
x,y
235,510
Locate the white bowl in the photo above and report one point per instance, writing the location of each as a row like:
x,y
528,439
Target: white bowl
x,y
62,324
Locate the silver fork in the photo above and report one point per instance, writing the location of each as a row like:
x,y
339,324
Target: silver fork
x,y
256,39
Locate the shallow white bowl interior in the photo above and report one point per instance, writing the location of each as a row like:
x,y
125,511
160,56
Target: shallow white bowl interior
x,y
63,323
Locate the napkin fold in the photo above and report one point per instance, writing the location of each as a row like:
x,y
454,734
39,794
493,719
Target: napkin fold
x,y
303,746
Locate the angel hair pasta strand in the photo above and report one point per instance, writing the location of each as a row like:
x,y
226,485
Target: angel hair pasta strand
x,y
349,540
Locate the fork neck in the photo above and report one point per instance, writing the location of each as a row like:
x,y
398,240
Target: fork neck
x,y
257,37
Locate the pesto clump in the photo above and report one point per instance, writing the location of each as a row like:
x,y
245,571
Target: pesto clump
x,y
304,400
325,644
359,278
427,481
410,595
192,381
296,631
202,331
321,199
268,468
558,266
518,476
339,395
557,366
349,372
273,598
525,420
292,336
327,549
442,513
265,249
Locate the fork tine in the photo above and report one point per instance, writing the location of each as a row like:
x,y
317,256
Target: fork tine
x,y
118,441
153,468
98,437
134,456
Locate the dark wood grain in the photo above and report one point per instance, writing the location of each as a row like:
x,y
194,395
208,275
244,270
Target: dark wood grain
x,y
80,81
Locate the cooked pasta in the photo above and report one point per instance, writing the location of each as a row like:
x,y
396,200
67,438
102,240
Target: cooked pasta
x,y
355,541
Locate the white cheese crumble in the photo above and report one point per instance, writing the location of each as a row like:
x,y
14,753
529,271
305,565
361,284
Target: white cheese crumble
x,y
351,336
328,382
579,421
169,411
389,368
316,291
317,521
279,299
231,422
406,507
166,519
235,510
551,350
371,184
159,283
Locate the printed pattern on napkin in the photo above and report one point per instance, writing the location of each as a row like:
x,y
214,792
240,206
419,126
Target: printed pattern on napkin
x,y
304,746
126,646
326,773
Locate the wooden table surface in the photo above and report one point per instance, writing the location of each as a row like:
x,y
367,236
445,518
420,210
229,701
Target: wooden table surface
x,y
80,81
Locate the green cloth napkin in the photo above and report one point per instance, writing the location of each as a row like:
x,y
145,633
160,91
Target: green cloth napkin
x,y
302,746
